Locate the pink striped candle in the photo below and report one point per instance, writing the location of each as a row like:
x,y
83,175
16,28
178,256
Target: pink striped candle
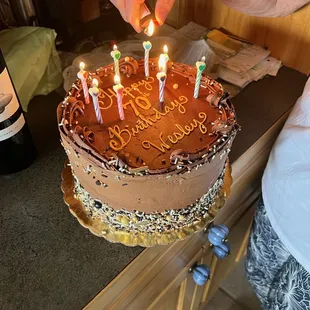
x,y
94,92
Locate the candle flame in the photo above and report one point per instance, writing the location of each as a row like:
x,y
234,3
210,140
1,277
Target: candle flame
x,y
117,79
150,29
203,59
95,83
166,49
162,63
114,47
82,65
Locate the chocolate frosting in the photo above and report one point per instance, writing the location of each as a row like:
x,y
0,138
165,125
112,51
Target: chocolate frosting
x,y
158,158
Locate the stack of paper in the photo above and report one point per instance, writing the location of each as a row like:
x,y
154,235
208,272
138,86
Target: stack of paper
x,y
246,58
222,44
268,65
241,63
242,78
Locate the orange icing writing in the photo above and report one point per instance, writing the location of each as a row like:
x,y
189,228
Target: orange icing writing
x,y
132,91
162,147
123,137
120,138
175,137
140,101
145,104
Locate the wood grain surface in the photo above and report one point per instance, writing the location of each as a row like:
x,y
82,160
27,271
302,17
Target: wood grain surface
x,y
287,37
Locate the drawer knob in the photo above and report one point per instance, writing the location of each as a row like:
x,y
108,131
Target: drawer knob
x,y
201,273
217,234
214,239
222,250
220,230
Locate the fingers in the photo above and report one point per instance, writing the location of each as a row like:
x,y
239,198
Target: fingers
x,y
162,9
133,13
121,6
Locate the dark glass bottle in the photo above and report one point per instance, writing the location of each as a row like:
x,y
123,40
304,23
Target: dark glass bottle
x,y
17,150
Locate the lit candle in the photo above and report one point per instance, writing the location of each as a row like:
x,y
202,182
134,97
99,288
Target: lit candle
x,y
116,55
161,76
82,76
166,56
201,65
149,30
147,47
94,92
119,89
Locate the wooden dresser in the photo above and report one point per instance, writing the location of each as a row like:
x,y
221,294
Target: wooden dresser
x,y
158,278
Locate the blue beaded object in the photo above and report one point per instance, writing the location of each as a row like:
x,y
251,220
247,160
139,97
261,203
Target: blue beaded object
x,y
222,250
220,230
214,239
201,274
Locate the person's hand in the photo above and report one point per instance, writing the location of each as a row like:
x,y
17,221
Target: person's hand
x,y
131,11
162,9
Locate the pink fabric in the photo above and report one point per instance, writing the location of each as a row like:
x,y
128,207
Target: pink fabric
x,y
268,8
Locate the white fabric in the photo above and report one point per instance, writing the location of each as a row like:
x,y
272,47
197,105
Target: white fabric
x,y
286,182
269,8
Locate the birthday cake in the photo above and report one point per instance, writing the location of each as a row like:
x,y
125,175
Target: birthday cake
x,y
161,167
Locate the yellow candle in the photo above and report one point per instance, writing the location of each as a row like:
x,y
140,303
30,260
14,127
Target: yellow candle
x,y
116,55
82,76
119,89
161,76
166,56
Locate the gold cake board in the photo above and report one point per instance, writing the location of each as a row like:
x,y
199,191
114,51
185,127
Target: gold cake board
x,y
101,229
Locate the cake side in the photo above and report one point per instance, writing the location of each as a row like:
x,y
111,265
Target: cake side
x,y
146,193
